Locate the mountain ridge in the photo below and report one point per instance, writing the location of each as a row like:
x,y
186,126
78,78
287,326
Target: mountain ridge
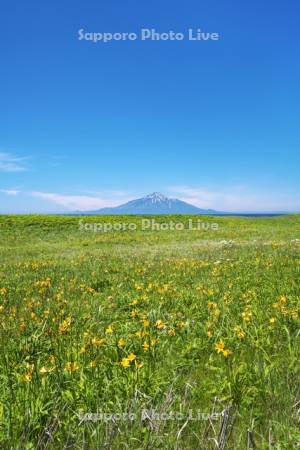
x,y
155,203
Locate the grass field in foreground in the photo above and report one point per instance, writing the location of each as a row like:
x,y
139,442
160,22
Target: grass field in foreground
x,y
192,337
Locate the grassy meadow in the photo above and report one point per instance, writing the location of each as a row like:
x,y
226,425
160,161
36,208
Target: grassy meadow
x,y
170,339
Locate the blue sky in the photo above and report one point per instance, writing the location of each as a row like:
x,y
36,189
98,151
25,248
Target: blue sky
x,y
85,125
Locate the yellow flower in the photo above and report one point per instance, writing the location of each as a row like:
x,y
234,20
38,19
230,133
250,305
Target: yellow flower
x,y
171,332
211,305
27,377
226,297
96,342
272,320
65,325
282,299
220,346
121,343
160,324
125,362
134,302
45,370
109,330
93,364
146,346
239,331
71,367
146,323
131,357
210,333
247,314
217,313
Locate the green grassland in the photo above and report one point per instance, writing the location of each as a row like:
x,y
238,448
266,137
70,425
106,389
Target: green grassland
x,y
191,336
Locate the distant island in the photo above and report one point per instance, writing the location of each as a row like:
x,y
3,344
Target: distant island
x,y
158,204
155,203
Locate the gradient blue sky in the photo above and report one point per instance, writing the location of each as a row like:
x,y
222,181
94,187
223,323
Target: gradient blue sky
x,y
86,125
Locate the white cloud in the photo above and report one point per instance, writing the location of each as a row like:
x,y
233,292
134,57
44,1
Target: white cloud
x,y
236,199
12,192
11,163
76,202
110,194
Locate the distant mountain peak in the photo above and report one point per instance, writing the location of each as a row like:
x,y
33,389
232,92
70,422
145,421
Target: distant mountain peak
x,y
157,196
155,203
